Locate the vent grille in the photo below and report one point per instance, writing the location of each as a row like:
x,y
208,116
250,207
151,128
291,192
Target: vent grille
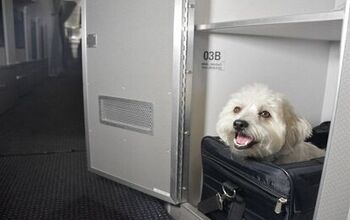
x,y
127,114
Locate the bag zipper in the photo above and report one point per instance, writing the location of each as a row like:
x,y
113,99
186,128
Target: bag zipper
x,y
279,199
280,202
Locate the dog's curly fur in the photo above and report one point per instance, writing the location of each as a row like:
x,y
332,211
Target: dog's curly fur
x,y
260,123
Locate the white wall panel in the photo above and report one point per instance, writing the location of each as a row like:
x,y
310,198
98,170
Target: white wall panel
x,y
331,82
137,57
334,193
296,68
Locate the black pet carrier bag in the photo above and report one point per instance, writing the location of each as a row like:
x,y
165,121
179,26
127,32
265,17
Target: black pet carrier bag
x,y
238,189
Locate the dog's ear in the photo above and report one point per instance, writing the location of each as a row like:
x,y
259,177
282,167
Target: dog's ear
x,y
297,129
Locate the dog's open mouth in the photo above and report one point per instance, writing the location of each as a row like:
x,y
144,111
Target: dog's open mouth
x,y
243,141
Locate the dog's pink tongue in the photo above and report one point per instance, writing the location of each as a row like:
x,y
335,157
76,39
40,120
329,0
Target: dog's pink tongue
x,y
243,139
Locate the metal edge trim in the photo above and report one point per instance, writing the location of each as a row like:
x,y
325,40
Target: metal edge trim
x,y
132,185
176,94
85,80
343,43
291,19
188,95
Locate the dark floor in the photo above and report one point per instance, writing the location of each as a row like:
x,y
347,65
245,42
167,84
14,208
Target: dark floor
x,y
43,172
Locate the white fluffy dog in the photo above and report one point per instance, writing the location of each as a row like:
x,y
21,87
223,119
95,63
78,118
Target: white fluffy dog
x,y
260,123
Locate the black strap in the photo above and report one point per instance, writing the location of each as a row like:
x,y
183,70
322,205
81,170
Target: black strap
x,y
237,208
229,199
209,205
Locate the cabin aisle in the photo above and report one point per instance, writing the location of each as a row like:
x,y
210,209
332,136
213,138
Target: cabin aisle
x,y
43,168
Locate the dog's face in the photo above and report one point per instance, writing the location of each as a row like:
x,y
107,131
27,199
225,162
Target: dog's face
x,y
258,122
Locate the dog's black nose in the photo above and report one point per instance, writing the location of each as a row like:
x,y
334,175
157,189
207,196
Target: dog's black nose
x,y
240,124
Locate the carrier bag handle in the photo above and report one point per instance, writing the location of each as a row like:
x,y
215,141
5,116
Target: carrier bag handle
x,y
219,200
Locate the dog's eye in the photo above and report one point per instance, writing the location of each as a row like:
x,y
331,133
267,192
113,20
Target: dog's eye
x,y
265,114
237,109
